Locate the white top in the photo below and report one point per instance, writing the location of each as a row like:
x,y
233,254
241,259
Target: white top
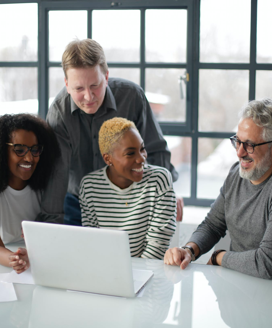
x,y
16,206
146,209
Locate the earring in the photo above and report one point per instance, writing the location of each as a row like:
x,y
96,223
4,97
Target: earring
x,y
110,164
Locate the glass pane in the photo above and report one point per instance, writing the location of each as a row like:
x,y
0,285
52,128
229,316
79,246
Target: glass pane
x,y
166,93
215,158
159,25
264,45
131,74
222,93
180,149
121,39
64,27
56,82
225,31
18,32
263,84
18,92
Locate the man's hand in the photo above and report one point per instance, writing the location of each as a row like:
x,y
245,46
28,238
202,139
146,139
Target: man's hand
x,y
177,256
180,205
19,260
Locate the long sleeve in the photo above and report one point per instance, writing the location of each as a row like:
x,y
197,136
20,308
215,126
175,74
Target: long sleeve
x,y
162,226
246,211
88,214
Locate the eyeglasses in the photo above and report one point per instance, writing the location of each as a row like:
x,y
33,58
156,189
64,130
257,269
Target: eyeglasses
x,y
248,147
22,150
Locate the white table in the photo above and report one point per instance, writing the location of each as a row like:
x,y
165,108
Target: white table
x,y
200,296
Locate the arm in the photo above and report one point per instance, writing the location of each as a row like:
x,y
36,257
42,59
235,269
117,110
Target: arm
x,y
88,215
255,262
53,197
162,224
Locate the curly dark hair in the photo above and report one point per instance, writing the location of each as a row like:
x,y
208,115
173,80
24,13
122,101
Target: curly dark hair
x,y
45,136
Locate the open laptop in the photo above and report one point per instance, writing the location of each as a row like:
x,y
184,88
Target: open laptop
x,y
83,259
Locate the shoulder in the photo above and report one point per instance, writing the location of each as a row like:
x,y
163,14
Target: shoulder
x,y
158,174
60,105
118,84
95,177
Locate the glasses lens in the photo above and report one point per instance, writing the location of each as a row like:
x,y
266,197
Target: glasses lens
x,y
36,150
20,150
234,143
249,148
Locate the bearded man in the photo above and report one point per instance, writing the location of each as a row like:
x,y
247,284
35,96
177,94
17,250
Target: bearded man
x,y
244,206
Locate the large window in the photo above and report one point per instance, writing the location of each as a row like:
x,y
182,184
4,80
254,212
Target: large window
x,y
199,62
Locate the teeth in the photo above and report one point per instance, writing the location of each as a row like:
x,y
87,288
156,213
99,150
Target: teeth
x,y
25,166
138,170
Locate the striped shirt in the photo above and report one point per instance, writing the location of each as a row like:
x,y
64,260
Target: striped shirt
x,y
146,209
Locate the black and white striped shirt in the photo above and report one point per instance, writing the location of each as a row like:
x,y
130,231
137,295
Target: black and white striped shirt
x,y
146,209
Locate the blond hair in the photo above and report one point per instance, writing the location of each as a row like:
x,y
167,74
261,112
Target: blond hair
x,y
111,131
83,53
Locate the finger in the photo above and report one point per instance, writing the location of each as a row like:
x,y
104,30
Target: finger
x,y
14,258
186,261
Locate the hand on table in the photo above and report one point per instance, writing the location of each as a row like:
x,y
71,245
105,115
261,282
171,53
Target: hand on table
x,y
19,260
177,256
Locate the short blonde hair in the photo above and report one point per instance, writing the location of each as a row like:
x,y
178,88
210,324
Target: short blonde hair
x,y
84,53
111,131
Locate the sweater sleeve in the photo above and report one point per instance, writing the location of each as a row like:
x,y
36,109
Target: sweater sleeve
x,y
162,224
255,262
88,215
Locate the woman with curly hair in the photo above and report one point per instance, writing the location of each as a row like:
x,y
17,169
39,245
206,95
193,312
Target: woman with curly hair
x,y
28,153
129,194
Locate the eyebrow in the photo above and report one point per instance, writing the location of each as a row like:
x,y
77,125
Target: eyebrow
x,y
132,148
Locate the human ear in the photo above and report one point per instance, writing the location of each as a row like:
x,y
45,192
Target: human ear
x,y
107,159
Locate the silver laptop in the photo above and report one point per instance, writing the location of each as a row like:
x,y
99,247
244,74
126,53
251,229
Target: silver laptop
x,y
83,259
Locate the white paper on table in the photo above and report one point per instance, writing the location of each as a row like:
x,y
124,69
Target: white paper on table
x,y
7,292
22,278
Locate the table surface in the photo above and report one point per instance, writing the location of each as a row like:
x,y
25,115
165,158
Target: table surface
x,y
199,296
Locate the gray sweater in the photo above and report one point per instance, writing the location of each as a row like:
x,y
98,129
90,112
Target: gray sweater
x,y
244,210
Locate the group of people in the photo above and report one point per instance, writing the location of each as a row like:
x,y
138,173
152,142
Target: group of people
x,y
88,166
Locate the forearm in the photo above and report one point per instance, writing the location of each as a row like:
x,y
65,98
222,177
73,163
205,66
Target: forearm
x,y
4,256
255,263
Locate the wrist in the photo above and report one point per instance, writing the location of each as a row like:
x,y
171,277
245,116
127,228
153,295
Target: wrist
x,y
189,249
217,257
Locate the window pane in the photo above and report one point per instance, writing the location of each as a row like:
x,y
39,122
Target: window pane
x,y
263,84
56,82
264,45
121,38
222,93
18,32
180,149
225,31
18,92
64,27
131,74
159,25
166,93
215,158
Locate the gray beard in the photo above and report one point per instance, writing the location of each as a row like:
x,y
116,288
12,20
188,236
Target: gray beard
x,y
258,171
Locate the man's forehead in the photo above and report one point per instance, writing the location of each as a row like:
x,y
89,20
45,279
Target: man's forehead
x,y
248,130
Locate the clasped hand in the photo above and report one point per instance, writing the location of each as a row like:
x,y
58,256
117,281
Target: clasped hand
x,y
19,260
177,256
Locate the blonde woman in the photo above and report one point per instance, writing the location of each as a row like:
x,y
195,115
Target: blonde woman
x,y
128,194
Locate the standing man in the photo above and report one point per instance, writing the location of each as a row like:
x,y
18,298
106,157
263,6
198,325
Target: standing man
x,y
88,99
244,206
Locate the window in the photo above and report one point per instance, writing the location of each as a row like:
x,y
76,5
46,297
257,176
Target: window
x,y
199,62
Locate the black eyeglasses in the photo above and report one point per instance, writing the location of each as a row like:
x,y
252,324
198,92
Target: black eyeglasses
x,y
22,150
248,147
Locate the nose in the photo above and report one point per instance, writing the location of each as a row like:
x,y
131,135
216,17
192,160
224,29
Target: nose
x,y
88,95
28,157
141,158
241,152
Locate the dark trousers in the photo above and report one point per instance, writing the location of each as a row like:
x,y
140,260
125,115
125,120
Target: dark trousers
x,y
72,213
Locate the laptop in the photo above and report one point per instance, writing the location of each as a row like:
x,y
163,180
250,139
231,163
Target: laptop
x,y
82,259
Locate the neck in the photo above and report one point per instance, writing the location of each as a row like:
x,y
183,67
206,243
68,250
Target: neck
x,y
121,183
